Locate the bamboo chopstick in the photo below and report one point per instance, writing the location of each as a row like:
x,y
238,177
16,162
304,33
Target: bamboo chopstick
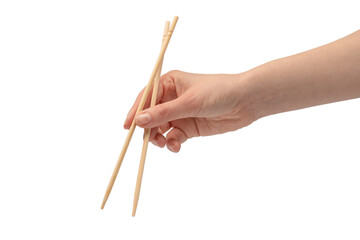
x,y
140,107
148,130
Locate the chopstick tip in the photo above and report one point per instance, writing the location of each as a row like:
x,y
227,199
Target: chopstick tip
x,y
134,210
104,202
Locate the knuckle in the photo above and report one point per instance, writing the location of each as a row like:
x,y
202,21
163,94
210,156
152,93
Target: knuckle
x,y
141,92
174,74
162,110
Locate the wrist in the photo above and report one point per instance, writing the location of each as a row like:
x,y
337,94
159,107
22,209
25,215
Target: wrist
x,y
261,95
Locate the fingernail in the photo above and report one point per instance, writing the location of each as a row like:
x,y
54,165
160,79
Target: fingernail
x,y
155,143
171,147
128,115
143,118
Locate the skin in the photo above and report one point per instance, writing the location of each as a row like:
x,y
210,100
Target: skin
x,y
191,105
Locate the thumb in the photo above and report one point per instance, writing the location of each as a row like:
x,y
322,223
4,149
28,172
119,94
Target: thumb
x,y
162,113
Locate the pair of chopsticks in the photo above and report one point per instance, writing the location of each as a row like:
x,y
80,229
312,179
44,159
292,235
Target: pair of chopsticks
x,y
154,81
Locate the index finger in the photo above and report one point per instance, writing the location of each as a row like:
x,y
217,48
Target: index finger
x,y
132,111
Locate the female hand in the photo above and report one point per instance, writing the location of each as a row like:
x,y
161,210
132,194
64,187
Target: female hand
x,y
192,105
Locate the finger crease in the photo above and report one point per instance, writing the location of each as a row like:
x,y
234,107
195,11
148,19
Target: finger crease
x,y
183,133
196,127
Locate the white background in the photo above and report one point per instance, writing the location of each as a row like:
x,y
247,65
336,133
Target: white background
x,y
69,72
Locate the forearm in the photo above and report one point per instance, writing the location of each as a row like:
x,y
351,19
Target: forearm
x,y
323,75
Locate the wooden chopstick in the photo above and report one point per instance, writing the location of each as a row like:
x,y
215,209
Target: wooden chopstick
x,y
140,107
148,130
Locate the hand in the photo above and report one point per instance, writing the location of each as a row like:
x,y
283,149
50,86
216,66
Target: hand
x,y
192,105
